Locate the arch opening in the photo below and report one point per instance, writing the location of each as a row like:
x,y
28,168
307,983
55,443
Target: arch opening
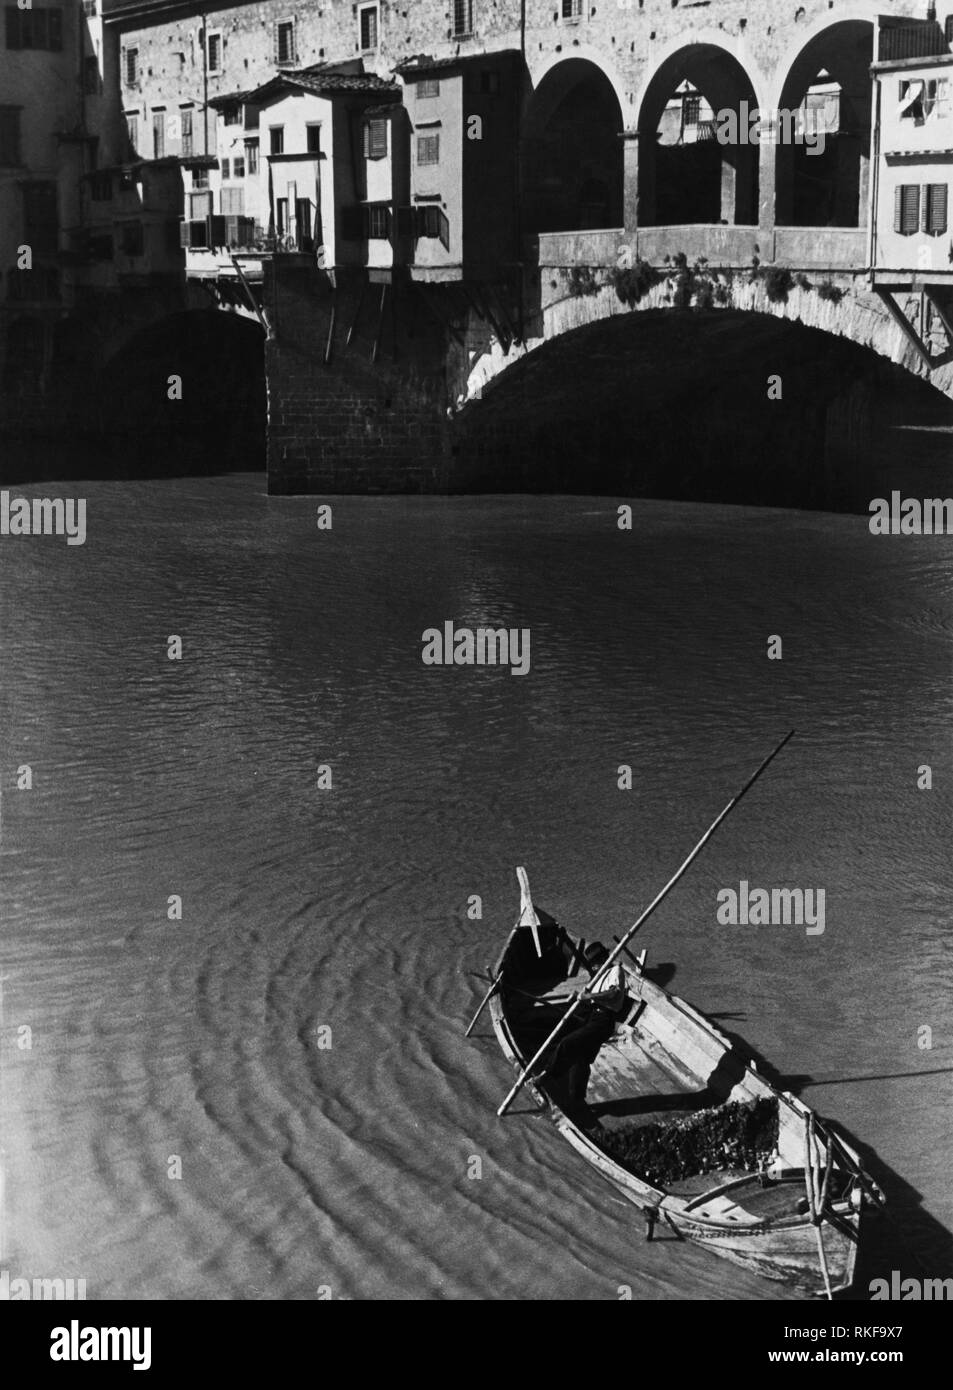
x,y
686,173
823,180
215,422
571,156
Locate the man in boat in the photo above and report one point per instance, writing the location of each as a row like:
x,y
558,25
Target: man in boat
x,y
604,1005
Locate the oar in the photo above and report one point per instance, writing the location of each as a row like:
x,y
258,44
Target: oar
x,y
624,940
494,986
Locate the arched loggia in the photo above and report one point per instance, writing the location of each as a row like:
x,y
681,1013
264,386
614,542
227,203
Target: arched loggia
x,y
822,178
686,175
571,156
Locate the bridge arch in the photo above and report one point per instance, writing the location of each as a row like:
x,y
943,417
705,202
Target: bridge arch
x,y
676,405
571,159
823,180
685,175
218,421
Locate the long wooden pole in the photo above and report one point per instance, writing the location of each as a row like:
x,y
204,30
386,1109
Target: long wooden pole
x,y
494,986
624,940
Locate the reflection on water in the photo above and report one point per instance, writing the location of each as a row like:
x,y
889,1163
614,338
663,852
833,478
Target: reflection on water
x,y
306,908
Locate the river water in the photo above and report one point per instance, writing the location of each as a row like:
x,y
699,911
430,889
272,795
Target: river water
x,y
348,1168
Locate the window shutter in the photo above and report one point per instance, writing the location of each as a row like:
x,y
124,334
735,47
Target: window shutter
x,y
937,208
444,228
912,217
352,223
217,232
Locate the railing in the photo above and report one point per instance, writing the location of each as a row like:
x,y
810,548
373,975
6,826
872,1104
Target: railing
x,y
804,248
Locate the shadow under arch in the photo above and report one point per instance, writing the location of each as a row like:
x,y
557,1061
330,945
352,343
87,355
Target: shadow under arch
x,y
218,422
827,185
685,174
571,151
674,404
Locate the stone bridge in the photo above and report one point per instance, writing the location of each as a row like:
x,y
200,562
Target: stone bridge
x,y
651,258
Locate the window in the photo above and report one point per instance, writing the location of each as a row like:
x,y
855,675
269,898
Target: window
x,y
462,17
40,218
281,215
186,132
130,66
101,187
314,139
483,81
906,208
238,168
214,51
691,109
131,241
276,136
200,206
225,168
921,98
375,139
89,8
285,43
571,9
132,130
368,20
427,87
377,222
9,135
251,157
34,28
91,75
428,149
935,208
100,246
303,222
432,222
233,201
232,114
158,133
200,178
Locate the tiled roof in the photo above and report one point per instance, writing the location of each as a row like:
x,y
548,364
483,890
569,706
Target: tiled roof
x,y
323,80
423,62
229,99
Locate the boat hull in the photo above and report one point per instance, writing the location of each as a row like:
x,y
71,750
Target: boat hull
x,y
725,1218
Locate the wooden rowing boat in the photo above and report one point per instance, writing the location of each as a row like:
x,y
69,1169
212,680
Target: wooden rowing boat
x,y
668,1092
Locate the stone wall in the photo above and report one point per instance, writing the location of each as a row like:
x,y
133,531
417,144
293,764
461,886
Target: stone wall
x,y
351,424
